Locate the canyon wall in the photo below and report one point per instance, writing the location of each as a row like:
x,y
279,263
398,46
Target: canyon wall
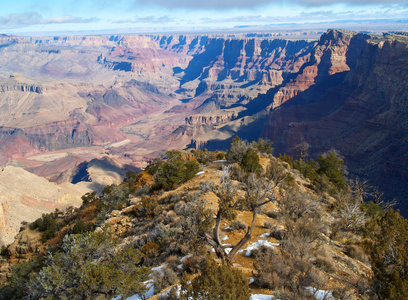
x,y
364,116
346,91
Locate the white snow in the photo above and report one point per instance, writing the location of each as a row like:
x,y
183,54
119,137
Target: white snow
x,y
265,235
227,250
321,294
187,256
220,161
261,297
251,280
159,268
201,172
226,237
256,245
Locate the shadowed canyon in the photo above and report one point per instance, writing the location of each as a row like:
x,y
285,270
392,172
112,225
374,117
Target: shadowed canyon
x,y
77,112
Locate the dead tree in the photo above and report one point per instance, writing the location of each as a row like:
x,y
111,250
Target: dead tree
x,y
258,192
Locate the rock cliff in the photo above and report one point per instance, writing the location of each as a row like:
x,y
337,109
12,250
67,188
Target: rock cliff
x,y
363,115
245,59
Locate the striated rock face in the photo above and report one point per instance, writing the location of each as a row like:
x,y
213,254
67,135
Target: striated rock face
x,y
245,59
335,53
364,114
62,115
227,72
211,119
187,44
22,88
141,54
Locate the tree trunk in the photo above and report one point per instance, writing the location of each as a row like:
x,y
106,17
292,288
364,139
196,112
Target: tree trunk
x,y
243,241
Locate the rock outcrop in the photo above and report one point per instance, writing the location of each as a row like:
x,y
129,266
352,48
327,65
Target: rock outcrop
x,y
212,119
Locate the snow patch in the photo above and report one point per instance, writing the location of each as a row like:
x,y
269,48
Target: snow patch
x,y
159,268
201,172
256,245
265,234
261,297
321,294
187,256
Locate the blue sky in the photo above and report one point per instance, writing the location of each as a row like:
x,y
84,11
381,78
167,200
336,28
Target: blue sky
x,y
21,16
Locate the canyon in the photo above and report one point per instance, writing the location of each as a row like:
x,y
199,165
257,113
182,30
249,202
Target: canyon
x,y
116,102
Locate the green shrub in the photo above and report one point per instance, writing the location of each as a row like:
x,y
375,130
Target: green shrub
x,y
389,257
191,168
89,264
236,150
154,166
307,168
216,282
286,158
82,227
250,161
3,250
89,198
47,225
220,156
20,276
263,146
174,171
333,167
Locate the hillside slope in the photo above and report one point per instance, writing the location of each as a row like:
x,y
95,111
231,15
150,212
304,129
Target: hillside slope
x,y
302,244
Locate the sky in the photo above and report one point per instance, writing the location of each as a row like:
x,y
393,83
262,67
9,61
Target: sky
x,y
27,16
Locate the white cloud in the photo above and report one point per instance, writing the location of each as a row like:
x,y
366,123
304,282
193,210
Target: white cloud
x,y
248,4
34,18
146,19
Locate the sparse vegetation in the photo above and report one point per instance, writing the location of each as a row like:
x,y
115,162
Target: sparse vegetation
x,y
88,265
216,282
389,256
322,225
327,173
262,146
